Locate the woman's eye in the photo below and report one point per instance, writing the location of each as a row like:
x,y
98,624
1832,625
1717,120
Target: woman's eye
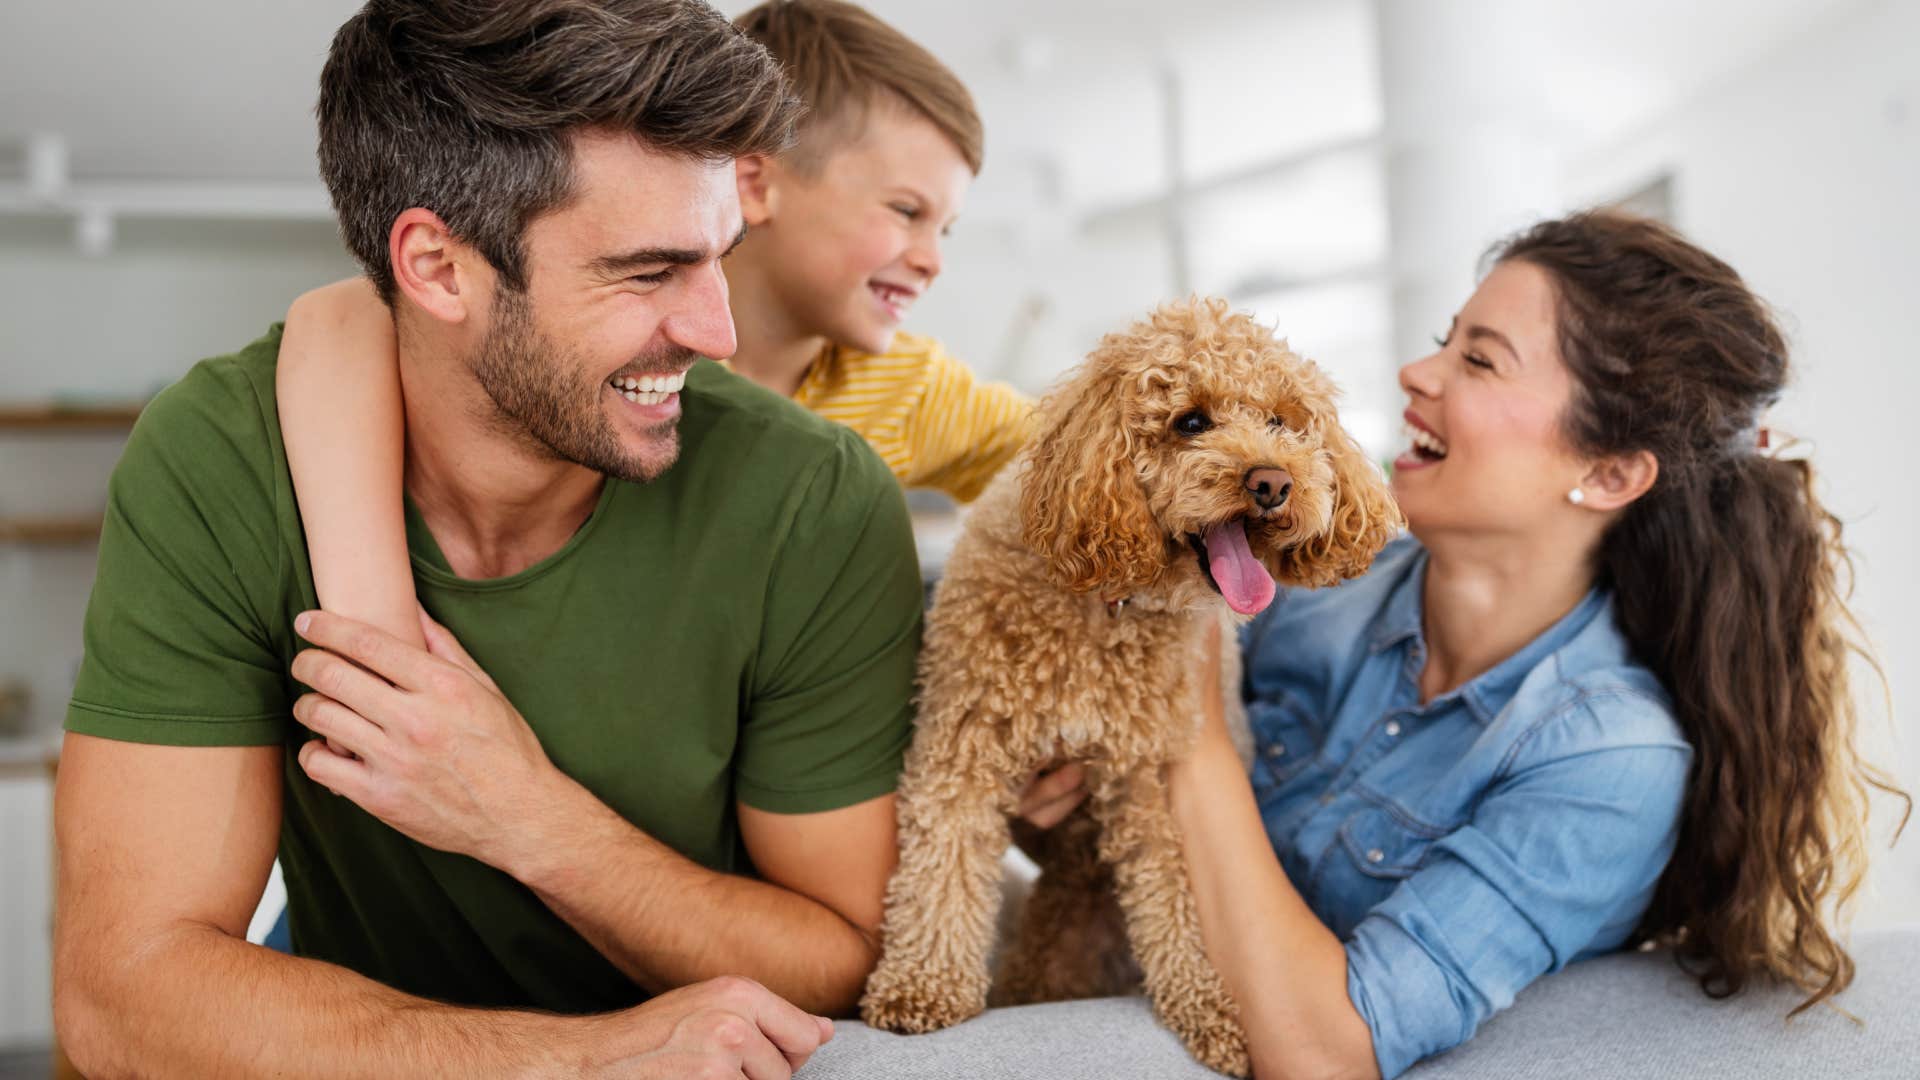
x,y
1192,423
1479,362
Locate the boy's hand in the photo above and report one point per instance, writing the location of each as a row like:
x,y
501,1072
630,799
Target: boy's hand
x,y
421,739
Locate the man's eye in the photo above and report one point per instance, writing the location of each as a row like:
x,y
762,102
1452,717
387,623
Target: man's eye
x,y
654,278
1192,423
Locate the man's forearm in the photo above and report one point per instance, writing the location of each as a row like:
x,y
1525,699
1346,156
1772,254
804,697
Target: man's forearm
x,y
194,1001
667,921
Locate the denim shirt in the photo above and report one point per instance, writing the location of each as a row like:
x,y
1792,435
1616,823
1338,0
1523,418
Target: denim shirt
x,y
1465,847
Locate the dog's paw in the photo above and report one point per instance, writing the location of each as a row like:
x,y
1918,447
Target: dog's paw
x,y
1220,1047
916,1005
1211,1034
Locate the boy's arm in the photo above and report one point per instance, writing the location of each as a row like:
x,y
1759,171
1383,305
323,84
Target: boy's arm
x,y
338,388
963,431
153,974
435,751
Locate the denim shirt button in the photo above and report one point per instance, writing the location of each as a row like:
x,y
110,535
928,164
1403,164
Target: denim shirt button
x,y
1375,855
1327,799
1277,750
1393,729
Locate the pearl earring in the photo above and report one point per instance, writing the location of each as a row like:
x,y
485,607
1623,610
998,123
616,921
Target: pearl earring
x,y
1577,496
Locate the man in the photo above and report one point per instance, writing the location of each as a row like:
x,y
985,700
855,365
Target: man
x,y
693,611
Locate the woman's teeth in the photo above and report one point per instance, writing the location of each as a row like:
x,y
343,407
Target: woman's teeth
x,y
649,389
1426,441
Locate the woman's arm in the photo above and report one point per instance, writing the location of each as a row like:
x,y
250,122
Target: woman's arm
x,y
338,387
1286,970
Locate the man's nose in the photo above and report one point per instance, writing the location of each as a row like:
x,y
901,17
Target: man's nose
x,y
1268,486
703,322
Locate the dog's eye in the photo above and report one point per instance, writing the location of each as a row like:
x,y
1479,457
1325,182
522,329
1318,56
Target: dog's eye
x,y
1192,423
1277,424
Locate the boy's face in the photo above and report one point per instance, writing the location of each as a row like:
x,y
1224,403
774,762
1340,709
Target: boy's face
x,y
850,249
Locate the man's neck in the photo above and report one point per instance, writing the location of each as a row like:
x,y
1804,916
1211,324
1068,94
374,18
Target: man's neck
x,y
494,506
1485,599
773,349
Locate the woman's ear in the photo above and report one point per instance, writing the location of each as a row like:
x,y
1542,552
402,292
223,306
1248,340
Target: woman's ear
x,y
1363,519
1081,503
1614,482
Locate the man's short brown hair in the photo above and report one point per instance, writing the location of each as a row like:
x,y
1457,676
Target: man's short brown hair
x,y
843,60
468,107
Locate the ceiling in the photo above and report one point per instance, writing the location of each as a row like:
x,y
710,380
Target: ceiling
x,y
224,88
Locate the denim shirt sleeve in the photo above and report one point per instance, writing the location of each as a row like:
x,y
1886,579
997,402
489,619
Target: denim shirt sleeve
x,y
1560,858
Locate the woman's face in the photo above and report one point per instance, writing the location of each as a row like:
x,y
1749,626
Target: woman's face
x,y
1485,452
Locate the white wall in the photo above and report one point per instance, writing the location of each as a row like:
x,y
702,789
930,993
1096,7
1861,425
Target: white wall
x,y
110,328
1802,170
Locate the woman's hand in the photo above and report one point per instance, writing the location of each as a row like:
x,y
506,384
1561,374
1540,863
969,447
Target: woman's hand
x,y
1052,793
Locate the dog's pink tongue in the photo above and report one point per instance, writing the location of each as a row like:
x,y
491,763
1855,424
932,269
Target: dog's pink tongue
x,y
1244,583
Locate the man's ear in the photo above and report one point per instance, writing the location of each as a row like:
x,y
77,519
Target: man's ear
x,y
430,267
755,175
1615,482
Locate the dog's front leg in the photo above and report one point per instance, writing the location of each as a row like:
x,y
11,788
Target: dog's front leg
x,y
944,899
1140,840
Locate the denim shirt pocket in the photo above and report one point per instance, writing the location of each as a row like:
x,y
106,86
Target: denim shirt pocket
x,y
1375,849
1285,739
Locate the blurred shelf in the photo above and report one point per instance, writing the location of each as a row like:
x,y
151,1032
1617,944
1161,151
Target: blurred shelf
x,y
71,530
68,418
27,757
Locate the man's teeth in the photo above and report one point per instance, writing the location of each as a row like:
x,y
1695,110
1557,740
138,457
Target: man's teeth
x,y
649,389
1426,440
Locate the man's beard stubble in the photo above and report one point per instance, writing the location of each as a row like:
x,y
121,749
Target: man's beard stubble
x,y
534,404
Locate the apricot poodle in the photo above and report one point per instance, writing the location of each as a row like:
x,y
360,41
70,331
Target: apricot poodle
x,y
1188,465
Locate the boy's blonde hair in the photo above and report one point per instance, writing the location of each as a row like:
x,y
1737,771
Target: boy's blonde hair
x,y
841,60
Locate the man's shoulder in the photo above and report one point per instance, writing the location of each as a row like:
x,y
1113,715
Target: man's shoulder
x,y
224,403
733,422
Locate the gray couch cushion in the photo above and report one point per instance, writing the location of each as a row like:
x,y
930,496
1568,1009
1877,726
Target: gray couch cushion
x,y
1627,1015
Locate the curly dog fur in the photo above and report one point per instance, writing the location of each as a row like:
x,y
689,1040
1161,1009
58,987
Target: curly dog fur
x,y
1070,624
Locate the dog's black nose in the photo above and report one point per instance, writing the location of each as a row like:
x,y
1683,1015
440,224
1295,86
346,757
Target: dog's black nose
x,y
1269,486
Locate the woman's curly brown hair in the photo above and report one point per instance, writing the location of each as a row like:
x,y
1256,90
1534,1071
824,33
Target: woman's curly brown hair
x,y
1731,582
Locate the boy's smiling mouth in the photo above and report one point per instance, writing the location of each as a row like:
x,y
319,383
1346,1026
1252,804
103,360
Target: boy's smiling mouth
x,y
896,299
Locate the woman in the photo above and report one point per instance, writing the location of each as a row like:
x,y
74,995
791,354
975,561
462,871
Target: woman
x,y
1599,697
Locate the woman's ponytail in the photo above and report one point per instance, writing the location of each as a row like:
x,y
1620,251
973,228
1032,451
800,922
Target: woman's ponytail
x,y
1730,580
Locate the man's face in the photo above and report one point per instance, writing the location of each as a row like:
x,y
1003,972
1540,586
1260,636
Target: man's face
x,y
624,293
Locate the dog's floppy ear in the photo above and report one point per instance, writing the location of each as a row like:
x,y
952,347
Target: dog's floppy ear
x,y
1363,519
1081,503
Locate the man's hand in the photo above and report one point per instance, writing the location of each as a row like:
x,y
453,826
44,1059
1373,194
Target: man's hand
x,y
1053,793
726,1027
422,740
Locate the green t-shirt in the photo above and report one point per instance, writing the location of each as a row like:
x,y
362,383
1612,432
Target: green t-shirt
x,y
743,627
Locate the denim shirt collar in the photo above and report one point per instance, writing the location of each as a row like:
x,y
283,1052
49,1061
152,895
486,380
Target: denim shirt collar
x,y
1399,622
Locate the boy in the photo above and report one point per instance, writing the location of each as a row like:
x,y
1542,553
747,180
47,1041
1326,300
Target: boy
x,y
843,234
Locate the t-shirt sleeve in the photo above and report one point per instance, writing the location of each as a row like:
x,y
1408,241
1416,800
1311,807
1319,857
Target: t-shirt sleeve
x,y
963,431
1563,849
830,709
176,651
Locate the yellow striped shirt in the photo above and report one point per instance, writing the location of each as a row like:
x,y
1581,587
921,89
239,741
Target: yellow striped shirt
x,y
928,417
